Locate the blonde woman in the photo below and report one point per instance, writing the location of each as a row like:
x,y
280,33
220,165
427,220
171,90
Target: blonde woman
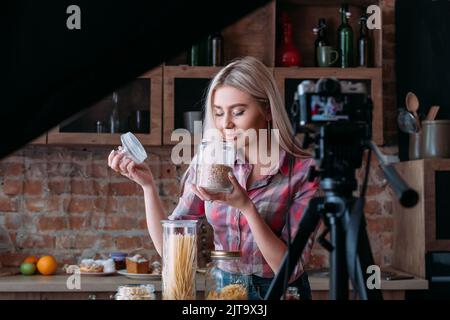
x,y
252,218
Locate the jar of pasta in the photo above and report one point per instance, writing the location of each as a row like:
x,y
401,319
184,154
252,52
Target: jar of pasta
x,y
215,160
225,278
179,259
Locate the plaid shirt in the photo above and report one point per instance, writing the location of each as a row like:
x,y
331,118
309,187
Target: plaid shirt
x,y
270,197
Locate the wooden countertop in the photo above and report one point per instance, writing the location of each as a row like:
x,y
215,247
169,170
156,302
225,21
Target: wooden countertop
x,y
57,283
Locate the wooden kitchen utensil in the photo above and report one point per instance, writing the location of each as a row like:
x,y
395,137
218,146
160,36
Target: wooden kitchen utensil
x,y
431,115
412,104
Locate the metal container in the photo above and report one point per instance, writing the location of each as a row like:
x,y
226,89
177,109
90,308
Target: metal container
x,y
415,146
189,120
436,139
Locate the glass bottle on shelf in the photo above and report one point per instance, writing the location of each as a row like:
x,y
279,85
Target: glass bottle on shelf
x,y
287,53
194,55
114,122
345,39
363,43
321,40
215,49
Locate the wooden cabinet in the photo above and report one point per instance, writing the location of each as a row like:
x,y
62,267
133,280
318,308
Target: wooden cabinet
x,y
425,227
184,90
144,94
176,88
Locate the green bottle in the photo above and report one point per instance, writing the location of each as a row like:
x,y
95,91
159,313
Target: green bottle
x,y
345,39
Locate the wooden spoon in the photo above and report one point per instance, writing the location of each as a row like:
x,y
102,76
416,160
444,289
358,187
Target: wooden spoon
x,y
431,115
412,104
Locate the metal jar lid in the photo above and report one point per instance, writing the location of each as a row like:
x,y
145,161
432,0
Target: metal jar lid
x,y
225,254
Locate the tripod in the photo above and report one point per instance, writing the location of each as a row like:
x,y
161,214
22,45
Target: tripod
x,y
349,247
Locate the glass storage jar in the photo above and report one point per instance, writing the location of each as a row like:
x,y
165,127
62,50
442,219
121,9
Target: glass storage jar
x,y
225,277
136,292
179,259
215,160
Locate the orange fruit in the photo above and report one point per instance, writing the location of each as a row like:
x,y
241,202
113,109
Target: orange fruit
x,y
31,259
47,265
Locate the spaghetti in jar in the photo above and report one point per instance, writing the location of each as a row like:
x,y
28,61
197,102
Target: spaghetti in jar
x,y
179,259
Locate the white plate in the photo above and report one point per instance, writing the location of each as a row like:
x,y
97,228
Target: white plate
x,y
139,276
97,274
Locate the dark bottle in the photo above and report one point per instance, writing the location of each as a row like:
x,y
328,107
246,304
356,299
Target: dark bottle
x,y
321,39
287,54
204,59
215,49
114,122
198,56
345,39
363,43
194,55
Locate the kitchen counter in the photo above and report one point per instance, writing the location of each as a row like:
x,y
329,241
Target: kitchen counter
x,y
47,287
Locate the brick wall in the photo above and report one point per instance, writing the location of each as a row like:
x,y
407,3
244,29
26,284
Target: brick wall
x,y
66,202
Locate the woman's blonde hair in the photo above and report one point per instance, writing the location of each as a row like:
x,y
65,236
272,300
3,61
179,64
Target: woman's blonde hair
x,y
250,75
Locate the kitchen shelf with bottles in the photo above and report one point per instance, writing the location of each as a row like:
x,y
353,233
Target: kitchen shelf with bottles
x,y
139,110
258,35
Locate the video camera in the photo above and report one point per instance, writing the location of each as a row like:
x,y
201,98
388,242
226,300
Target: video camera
x,y
341,112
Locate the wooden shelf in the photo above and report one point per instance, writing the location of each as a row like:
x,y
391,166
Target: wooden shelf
x,y
57,137
358,3
40,140
254,35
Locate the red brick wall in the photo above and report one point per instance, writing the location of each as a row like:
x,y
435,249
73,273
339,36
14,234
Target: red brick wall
x,y
66,202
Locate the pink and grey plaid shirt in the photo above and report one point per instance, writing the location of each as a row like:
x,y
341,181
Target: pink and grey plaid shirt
x,y
270,196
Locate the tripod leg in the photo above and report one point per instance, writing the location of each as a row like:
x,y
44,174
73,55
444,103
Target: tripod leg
x,y
364,260
359,254
307,226
338,261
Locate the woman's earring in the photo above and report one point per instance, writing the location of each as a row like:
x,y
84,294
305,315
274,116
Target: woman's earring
x,y
269,133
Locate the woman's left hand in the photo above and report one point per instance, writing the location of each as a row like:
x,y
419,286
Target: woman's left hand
x,y
238,198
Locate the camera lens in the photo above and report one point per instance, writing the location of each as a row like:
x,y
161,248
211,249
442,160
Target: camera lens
x,y
329,86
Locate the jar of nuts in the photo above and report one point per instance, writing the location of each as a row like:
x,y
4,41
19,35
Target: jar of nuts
x,y
215,161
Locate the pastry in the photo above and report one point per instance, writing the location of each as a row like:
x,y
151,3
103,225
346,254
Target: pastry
x,y
137,264
89,265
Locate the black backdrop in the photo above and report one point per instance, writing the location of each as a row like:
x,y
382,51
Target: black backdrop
x,y
49,73
423,57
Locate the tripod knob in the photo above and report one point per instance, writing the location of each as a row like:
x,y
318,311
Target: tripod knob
x,y
307,140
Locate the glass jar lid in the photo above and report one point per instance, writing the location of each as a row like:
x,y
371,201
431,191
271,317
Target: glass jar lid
x,y
180,223
136,290
133,146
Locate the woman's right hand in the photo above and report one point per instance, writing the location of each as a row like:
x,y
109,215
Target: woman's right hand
x,y
139,173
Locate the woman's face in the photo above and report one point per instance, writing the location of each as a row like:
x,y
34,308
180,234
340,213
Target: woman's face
x,y
234,109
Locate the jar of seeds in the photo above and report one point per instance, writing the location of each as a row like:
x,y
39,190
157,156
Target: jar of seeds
x,y
215,160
